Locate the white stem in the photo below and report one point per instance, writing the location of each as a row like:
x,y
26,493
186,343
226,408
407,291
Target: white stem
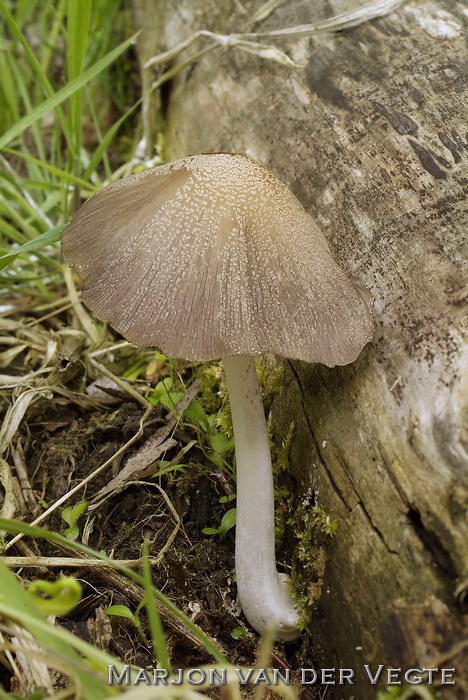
x,y
262,592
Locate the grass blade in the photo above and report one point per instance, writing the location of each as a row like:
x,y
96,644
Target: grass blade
x,y
35,65
78,20
61,174
98,153
55,100
46,238
154,618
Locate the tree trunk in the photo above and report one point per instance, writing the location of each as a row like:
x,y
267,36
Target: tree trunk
x,y
369,137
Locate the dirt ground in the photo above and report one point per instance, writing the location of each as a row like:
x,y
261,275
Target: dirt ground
x,y
65,435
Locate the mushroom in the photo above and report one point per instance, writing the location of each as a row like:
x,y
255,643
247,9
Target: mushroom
x,y
212,256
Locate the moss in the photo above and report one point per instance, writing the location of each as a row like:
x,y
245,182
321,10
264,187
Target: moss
x,y
312,526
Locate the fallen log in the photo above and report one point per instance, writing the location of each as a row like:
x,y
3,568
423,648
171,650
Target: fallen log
x,y
369,137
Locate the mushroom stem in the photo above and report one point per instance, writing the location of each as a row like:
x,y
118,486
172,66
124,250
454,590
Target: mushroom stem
x,y
262,591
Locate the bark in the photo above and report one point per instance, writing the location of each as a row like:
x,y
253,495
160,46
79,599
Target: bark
x,y
369,137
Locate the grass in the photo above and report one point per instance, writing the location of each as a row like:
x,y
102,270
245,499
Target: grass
x,y
46,168
70,126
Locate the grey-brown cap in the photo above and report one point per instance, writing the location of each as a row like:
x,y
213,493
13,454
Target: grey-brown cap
x,y
212,256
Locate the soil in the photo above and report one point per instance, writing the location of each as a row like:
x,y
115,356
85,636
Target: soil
x,y
65,438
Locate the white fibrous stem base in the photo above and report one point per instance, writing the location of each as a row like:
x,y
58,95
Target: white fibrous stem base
x,y
263,594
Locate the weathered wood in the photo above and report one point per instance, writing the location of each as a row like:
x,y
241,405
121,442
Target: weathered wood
x,y
369,137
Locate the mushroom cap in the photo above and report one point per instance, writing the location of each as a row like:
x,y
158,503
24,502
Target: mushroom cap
x,y
212,256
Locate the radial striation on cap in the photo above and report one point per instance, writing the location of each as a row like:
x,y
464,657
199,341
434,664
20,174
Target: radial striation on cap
x,y
212,256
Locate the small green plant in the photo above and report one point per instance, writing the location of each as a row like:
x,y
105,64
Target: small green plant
x,y
220,445
228,521
228,499
280,454
62,595
311,526
121,611
239,633
197,414
165,466
163,394
71,516
327,525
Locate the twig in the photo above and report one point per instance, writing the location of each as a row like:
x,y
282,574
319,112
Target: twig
x,y
137,465
10,381
72,562
23,476
125,386
176,529
110,348
9,504
344,20
15,415
247,41
35,321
